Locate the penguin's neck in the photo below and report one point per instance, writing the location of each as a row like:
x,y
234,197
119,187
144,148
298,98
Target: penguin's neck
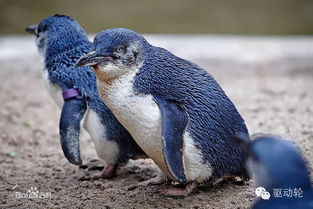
x,y
102,77
115,84
111,73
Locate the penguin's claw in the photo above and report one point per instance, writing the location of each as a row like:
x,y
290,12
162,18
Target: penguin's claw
x,y
231,179
180,192
107,173
158,180
93,164
151,182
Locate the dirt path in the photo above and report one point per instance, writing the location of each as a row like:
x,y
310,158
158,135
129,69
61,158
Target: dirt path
x,y
273,97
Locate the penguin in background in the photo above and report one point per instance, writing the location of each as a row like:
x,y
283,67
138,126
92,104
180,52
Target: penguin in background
x,y
276,165
61,41
174,109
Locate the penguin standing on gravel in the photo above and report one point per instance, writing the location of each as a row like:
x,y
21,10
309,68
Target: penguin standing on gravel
x,y
175,110
277,167
61,41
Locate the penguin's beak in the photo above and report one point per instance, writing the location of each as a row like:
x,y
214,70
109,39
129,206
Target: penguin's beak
x,y
92,59
33,29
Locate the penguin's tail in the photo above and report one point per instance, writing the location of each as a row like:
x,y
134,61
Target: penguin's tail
x,y
242,140
244,174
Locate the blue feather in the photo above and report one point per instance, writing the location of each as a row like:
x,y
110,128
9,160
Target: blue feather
x,y
213,118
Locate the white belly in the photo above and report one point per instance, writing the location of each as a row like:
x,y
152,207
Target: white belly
x,y
140,115
106,150
54,90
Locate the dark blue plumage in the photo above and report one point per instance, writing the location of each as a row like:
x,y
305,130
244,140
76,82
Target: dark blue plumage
x,y
62,41
282,159
196,114
213,119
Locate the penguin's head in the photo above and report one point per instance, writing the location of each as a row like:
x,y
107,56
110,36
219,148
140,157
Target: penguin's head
x,y
116,52
275,163
57,33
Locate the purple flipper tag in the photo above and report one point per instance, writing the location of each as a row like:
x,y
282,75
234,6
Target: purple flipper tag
x,y
70,93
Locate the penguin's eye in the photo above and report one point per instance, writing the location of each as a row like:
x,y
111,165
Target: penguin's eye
x,y
135,55
42,28
120,49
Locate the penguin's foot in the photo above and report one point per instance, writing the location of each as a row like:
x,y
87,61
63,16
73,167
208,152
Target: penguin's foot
x,y
232,179
108,172
158,180
180,192
93,165
150,182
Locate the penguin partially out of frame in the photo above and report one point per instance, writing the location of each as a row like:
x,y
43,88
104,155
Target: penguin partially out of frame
x,y
277,167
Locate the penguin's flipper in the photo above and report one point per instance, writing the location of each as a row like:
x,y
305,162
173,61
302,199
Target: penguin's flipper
x,y
72,113
174,122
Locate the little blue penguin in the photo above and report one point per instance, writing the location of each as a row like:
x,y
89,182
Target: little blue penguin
x,y
61,41
174,109
277,166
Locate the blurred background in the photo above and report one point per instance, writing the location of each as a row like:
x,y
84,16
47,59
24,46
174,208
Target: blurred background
x,y
163,16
